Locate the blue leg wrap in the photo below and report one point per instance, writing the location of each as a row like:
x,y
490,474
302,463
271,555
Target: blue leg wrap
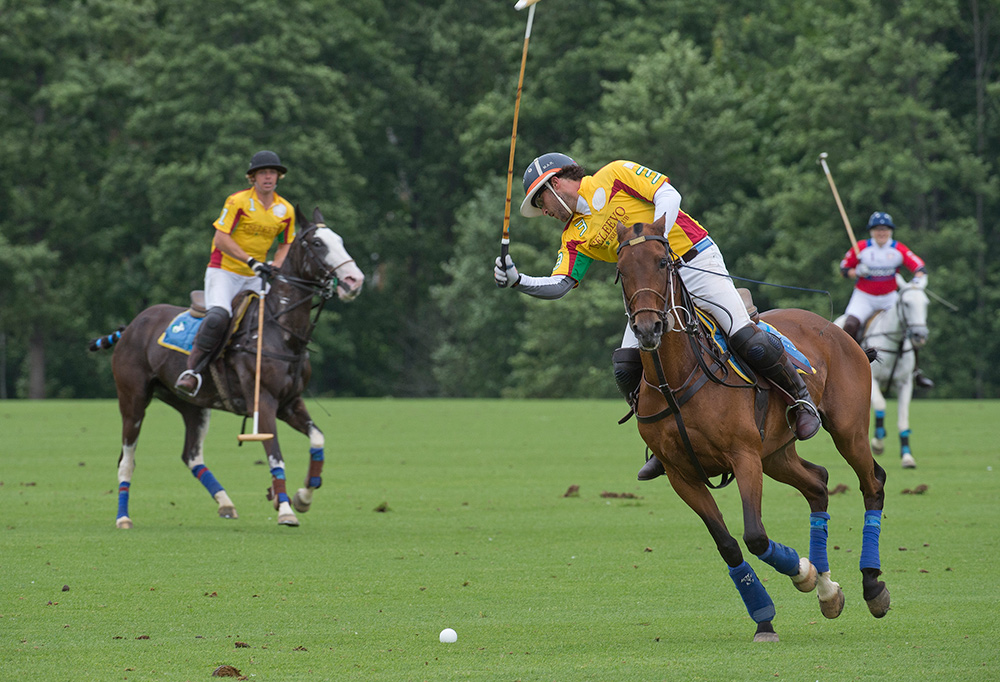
x,y
123,498
869,539
784,559
817,541
279,474
758,602
202,473
904,442
315,455
880,424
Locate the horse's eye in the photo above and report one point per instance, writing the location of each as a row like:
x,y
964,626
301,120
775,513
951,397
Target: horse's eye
x,y
664,263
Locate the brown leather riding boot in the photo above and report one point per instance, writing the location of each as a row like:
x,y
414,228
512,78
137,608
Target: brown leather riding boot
x,y
653,468
784,374
852,326
189,382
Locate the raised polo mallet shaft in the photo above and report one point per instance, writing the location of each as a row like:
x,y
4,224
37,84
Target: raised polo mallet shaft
x,y
840,205
505,237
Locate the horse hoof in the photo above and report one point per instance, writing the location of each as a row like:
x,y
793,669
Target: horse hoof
x,y
124,522
879,604
908,462
228,513
765,633
832,608
805,581
302,500
878,446
288,520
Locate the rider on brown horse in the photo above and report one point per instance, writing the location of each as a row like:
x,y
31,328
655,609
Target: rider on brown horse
x,y
244,233
590,207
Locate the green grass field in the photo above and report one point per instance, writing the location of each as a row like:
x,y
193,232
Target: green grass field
x,y
478,537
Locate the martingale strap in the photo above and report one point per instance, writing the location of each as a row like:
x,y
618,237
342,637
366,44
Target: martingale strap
x,y
675,408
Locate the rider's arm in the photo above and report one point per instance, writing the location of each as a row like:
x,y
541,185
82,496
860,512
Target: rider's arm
x,y
227,245
549,288
666,202
280,253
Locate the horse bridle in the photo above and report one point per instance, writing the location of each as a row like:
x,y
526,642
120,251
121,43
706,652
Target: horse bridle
x,y
324,287
329,276
662,312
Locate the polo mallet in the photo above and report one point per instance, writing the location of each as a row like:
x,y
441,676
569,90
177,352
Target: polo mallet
x,y
840,205
505,239
256,388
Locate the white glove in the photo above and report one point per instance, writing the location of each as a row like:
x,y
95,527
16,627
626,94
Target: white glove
x,y
504,275
862,270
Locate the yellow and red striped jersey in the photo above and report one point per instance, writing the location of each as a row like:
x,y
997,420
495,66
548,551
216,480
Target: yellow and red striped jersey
x,y
253,227
620,191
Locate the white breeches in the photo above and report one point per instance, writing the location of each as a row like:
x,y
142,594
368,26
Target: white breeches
x,y
221,287
863,305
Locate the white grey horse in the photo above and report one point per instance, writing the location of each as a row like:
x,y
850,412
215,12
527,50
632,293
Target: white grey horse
x,y
896,333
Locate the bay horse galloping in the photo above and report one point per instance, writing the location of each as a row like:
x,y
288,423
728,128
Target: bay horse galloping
x,y
317,264
701,421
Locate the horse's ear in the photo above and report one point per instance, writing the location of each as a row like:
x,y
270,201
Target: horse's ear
x,y
660,224
317,216
620,229
299,218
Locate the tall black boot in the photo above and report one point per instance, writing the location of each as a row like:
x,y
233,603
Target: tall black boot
x,y
627,364
207,343
765,354
784,374
852,326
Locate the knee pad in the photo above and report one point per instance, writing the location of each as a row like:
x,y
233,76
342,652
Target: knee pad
x,y
757,347
627,366
213,328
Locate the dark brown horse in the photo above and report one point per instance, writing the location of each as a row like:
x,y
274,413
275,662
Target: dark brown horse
x,y
700,420
317,264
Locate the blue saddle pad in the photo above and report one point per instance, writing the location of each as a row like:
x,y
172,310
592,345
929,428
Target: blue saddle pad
x,y
179,334
800,361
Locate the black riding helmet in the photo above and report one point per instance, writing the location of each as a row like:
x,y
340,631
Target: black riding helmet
x,y
265,159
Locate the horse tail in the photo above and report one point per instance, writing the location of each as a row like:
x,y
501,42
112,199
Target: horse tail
x,y
872,353
107,341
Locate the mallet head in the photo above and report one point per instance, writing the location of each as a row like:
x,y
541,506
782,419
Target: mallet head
x,y
822,157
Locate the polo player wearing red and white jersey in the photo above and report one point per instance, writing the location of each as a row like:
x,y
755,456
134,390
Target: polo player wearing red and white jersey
x,y
249,224
589,207
874,269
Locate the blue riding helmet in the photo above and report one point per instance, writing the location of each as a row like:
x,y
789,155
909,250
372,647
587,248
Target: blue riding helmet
x,y
537,174
880,219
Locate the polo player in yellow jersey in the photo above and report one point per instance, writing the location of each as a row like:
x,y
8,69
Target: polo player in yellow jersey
x,y
250,222
589,207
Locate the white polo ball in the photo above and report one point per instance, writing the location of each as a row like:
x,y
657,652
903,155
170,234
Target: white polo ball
x,y
448,636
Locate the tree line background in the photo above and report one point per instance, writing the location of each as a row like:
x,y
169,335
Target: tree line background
x,y
126,123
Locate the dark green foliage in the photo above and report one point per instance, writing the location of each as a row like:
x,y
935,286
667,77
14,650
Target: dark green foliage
x,y
127,124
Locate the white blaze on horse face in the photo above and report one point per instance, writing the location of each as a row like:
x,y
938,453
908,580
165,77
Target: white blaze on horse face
x,y
348,274
915,303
